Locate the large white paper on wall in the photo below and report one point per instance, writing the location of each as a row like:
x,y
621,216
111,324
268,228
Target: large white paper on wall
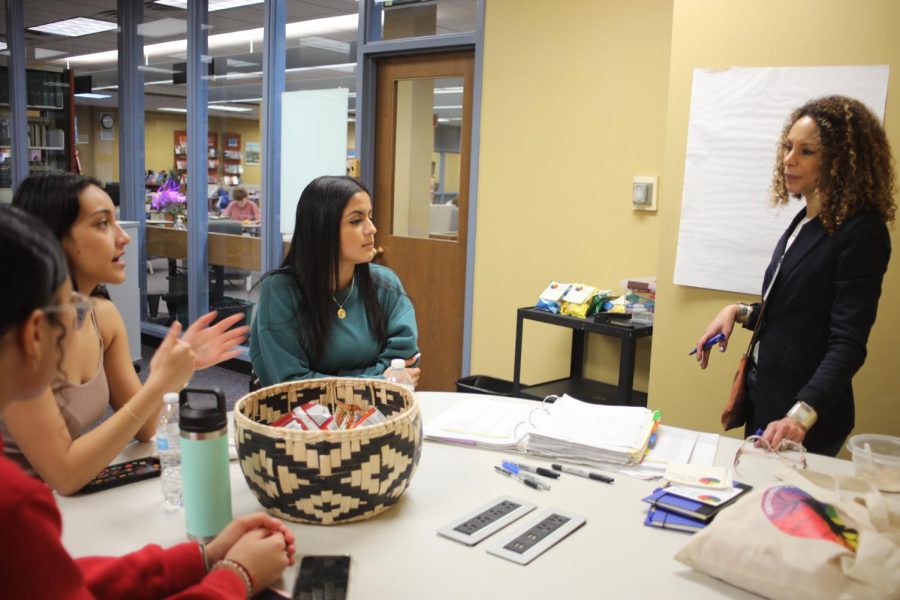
x,y
728,227
313,143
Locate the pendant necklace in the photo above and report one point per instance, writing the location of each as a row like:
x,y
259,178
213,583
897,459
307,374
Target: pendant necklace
x,y
341,313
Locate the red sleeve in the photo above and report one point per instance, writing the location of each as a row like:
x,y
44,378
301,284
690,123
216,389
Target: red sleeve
x,y
33,561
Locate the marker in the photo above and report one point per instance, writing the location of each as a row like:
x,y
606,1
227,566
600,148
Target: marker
x,y
710,342
583,473
538,470
529,482
514,469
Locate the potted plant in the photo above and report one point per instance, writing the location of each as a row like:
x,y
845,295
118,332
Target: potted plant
x,y
168,200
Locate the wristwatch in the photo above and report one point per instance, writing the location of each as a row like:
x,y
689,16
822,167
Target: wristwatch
x,y
804,414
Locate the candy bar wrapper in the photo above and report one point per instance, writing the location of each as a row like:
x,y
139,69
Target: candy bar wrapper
x,y
373,416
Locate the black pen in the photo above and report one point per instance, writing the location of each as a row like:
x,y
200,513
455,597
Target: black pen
x,y
538,470
528,482
583,473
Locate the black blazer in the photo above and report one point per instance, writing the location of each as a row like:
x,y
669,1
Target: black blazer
x,y
817,321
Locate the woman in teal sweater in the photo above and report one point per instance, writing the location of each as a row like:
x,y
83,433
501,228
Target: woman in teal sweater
x,y
326,311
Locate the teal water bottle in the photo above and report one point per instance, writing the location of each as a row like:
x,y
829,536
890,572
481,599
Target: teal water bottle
x,y
204,462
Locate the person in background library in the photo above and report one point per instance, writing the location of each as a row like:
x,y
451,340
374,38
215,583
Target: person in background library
x,y
821,289
38,324
326,311
241,208
49,436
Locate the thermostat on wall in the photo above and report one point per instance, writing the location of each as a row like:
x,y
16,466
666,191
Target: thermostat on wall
x,y
643,193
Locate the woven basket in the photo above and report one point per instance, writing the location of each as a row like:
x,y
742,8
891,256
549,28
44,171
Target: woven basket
x,y
328,477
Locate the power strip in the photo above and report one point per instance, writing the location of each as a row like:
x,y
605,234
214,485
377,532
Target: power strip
x,y
486,520
525,544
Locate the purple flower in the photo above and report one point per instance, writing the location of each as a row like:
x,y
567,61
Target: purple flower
x,y
168,198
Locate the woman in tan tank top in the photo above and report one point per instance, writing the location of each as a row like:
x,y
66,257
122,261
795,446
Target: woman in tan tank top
x,y
45,434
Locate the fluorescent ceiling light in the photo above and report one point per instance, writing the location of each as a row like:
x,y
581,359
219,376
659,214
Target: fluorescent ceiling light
x,y
92,95
75,27
162,27
214,5
449,107
346,24
172,109
235,100
229,108
149,69
234,62
448,90
338,67
42,53
2,45
322,43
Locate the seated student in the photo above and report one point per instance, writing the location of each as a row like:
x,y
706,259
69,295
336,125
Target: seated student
x,y
241,208
326,311
47,436
37,327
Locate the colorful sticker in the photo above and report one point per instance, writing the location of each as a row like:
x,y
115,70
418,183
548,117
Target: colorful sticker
x,y
796,513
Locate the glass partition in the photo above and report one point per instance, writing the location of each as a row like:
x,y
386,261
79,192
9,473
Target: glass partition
x,y
439,17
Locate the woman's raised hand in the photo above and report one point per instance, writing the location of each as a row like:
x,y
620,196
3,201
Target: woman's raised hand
x,y
214,344
173,361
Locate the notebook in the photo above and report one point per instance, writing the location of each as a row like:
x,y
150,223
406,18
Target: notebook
x,y
695,509
657,517
568,429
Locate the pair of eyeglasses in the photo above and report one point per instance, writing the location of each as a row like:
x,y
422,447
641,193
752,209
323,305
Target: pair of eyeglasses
x,y
82,304
789,452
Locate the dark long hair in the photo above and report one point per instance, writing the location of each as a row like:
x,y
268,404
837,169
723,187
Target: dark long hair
x,y
314,259
32,263
54,199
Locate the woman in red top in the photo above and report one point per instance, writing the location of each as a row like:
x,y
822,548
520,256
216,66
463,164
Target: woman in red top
x,y
250,554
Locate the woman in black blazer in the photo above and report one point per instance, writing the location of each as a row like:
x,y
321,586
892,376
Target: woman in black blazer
x,y
822,286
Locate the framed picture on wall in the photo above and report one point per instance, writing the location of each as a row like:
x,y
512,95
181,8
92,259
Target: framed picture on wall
x,y
232,142
251,153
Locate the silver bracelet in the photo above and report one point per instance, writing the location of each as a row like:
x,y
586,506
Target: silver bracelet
x,y
804,414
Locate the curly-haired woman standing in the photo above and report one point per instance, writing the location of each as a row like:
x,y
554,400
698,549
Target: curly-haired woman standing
x,y
822,286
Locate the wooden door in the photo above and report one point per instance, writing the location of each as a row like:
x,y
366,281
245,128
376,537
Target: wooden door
x,y
421,196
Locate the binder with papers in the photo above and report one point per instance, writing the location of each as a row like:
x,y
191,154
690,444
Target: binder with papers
x,y
567,430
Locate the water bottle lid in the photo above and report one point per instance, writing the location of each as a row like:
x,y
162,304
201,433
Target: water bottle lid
x,y
398,363
203,412
170,398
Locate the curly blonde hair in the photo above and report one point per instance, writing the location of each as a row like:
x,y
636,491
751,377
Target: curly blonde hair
x,y
857,169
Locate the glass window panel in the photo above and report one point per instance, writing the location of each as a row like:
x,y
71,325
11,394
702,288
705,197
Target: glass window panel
x,y
426,157
441,17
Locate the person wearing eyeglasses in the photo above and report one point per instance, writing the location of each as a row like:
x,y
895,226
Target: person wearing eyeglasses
x,y
48,437
821,289
37,331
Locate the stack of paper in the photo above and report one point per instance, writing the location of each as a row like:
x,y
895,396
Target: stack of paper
x,y
489,423
577,431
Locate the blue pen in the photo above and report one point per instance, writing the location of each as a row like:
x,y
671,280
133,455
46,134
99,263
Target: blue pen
x,y
515,470
710,342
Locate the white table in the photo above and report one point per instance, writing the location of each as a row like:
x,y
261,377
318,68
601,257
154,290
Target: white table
x,y
398,554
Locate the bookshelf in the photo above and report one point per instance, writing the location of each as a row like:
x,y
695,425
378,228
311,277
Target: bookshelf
x,y
50,135
212,155
232,161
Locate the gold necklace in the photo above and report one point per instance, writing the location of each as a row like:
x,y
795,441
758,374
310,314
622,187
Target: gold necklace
x,y
341,313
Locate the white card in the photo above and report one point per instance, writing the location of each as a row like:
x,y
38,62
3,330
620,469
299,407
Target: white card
x,y
578,293
698,476
712,497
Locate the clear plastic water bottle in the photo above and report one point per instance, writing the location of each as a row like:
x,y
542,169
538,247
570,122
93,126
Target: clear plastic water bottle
x,y
169,445
399,375
179,223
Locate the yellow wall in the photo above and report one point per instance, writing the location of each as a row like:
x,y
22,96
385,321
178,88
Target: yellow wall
x,y
711,33
159,140
574,105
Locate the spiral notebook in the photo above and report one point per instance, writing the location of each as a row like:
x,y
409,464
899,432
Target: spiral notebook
x,y
568,429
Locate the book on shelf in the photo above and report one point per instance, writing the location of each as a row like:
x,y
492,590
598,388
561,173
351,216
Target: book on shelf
x,y
568,430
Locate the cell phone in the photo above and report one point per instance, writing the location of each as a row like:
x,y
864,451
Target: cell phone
x,y
322,578
122,473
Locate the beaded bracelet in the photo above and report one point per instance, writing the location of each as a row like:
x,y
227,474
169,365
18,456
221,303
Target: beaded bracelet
x,y
236,567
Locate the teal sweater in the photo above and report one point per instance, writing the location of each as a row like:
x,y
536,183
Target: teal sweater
x,y
350,351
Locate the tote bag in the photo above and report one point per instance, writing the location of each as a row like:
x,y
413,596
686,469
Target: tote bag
x,y
796,539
